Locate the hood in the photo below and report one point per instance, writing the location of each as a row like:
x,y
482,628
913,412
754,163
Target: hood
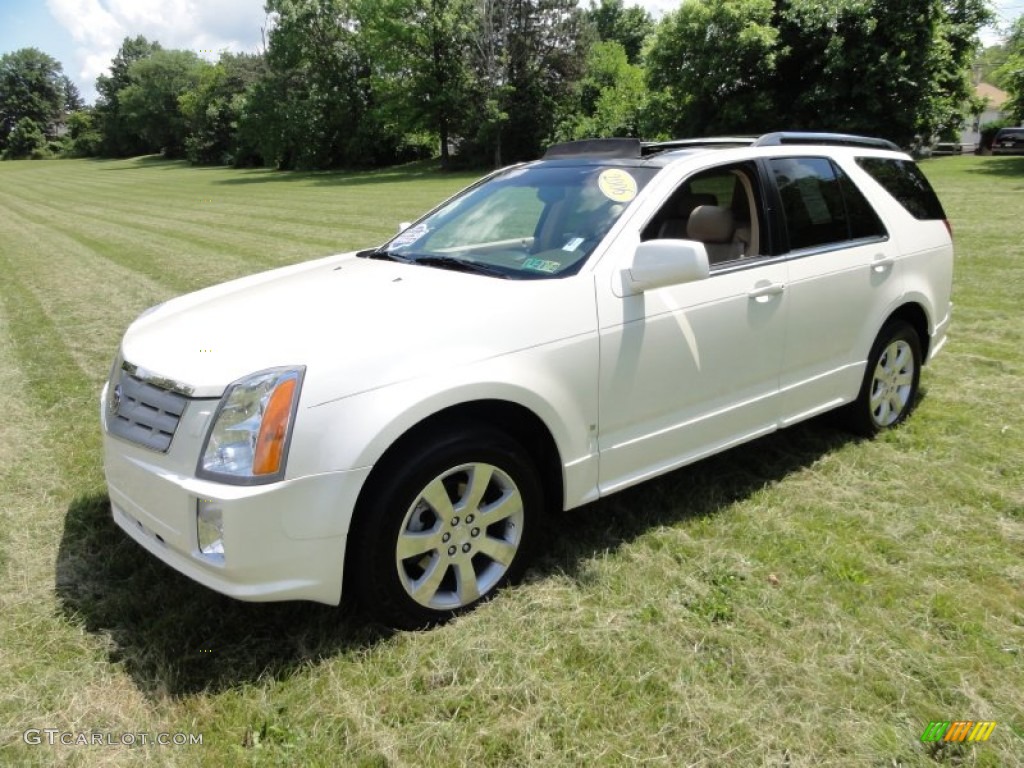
x,y
355,323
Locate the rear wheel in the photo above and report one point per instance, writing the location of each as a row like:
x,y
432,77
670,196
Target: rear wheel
x,y
446,525
889,389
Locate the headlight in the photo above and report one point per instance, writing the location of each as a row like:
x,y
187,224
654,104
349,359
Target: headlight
x,y
248,442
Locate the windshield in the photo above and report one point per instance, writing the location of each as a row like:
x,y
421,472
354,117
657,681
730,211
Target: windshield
x,y
536,222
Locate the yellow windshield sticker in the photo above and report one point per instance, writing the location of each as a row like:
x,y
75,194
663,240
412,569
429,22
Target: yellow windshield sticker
x,y
617,185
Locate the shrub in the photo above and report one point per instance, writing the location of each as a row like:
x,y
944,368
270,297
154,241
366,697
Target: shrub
x,y
989,130
26,140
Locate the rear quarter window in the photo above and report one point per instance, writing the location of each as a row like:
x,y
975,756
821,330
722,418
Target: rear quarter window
x,y
904,181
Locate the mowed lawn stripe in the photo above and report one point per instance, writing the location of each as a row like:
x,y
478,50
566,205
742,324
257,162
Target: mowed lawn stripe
x,y
164,230
87,299
49,405
37,639
222,225
64,391
164,256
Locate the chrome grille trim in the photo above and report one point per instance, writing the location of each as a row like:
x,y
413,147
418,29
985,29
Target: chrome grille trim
x,y
144,409
157,381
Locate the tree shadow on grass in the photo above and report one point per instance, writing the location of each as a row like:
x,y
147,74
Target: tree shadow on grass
x,y
175,637
1010,167
417,170
696,491
398,173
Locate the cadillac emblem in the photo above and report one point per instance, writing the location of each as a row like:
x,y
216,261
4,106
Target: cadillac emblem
x,y
115,400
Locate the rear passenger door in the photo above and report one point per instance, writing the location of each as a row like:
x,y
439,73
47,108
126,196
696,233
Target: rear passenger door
x,y
843,276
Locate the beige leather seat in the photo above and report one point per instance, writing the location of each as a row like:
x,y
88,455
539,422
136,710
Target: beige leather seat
x,y
715,227
684,206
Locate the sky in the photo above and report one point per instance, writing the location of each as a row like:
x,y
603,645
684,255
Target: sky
x,y
84,35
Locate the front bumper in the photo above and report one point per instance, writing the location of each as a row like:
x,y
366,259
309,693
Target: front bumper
x,y
282,541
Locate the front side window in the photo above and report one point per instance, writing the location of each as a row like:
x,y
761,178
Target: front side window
x,y
525,223
820,204
719,208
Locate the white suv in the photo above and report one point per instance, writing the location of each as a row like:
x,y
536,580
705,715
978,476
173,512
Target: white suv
x,y
401,418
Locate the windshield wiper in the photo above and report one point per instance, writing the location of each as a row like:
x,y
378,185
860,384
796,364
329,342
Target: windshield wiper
x,y
459,265
383,253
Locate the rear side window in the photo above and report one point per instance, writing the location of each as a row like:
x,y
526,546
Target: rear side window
x,y
904,181
821,205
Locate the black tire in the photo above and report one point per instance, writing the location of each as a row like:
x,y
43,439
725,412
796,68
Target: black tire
x,y
471,548
889,390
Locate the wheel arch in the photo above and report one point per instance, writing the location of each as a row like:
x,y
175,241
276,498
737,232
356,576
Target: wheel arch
x,y
513,419
916,317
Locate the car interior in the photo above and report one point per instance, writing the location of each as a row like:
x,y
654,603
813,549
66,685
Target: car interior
x,y
717,208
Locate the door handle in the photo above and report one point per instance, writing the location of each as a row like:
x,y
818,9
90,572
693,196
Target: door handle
x,y
882,263
772,289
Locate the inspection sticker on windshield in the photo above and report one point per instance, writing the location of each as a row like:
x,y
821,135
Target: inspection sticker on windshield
x,y
617,185
409,236
542,265
573,244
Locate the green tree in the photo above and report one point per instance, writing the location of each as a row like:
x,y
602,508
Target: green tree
x,y
988,63
26,139
423,45
149,104
83,138
1010,75
613,22
120,139
527,56
900,70
711,66
32,88
73,100
611,97
214,108
1015,87
316,107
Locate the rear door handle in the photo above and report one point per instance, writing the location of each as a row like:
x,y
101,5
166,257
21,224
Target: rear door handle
x,y
773,289
882,263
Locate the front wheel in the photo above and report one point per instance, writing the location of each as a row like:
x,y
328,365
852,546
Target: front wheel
x,y
889,389
446,525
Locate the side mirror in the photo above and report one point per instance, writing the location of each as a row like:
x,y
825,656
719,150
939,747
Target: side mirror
x,y
404,226
658,263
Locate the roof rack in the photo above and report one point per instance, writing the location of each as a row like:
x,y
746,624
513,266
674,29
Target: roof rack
x,y
635,149
651,147
840,139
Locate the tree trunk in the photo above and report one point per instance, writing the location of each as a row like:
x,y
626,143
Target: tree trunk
x,y
443,132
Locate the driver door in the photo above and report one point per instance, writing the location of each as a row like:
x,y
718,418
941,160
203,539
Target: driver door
x,y
688,370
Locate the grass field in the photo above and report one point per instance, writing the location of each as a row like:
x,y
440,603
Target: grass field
x,y
805,600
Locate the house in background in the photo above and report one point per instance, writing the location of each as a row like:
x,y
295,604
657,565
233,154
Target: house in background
x,y
995,99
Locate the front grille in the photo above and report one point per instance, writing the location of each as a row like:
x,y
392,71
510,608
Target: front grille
x,y
142,412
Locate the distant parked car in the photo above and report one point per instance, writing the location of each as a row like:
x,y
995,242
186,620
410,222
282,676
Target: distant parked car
x,y
953,148
1009,141
405,416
